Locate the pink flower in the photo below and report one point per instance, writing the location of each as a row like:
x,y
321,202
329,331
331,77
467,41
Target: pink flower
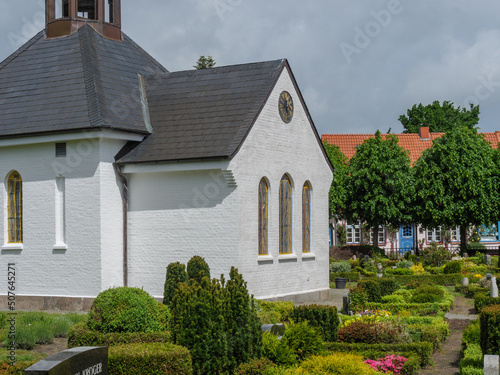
x,y
389,363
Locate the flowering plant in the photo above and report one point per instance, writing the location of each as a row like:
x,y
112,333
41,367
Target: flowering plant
x,y
390,363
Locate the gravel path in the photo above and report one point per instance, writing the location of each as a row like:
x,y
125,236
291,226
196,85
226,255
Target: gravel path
x,y
446,360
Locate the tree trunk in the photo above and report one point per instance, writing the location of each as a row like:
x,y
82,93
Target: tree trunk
x,y
463,239
375,236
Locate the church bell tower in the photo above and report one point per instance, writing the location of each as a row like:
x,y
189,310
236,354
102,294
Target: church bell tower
x,y
65,17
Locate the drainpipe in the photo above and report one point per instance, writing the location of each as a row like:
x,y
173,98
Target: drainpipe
x,y
123,179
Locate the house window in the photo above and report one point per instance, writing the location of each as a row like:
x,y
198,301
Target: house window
x,y
434,235
455,234
353,231
381,234
15,208
306,218
263,217
285,215
62,9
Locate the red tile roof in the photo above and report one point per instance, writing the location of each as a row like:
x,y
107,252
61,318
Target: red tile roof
x,y
410,142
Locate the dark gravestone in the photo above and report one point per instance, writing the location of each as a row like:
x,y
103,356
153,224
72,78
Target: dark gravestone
x,y
277,329
76,361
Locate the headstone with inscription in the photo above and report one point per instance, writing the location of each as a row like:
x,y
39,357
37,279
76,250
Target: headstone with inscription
x,y
75,361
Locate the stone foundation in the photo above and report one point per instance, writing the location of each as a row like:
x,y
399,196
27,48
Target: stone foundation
x,y
52,304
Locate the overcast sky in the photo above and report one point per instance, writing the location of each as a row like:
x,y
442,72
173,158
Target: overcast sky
x,y
359,64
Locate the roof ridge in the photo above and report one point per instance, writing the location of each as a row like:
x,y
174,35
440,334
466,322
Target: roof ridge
x,y
92,77
21,49
143,52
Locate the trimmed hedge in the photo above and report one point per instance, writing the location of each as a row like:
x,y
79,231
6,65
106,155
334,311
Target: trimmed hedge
x,y
471,290
149,358
489,319
411,366
81,335
472,360
350,276
435,333
417,308
323,317
481,300
449,279
424,350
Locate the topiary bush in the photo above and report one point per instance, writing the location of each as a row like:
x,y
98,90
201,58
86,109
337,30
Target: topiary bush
x,y
424,298
372,288
150,358
453,267
489,319
197,269
176,273
429,289
124,309
255,367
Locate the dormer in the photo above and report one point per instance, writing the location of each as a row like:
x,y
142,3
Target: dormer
x,y
65,17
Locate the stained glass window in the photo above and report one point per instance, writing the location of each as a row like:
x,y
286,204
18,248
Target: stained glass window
x,y
15,208
263,217
306,218
285,215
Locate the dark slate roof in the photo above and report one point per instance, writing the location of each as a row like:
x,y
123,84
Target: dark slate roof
x,y
204,114
83,81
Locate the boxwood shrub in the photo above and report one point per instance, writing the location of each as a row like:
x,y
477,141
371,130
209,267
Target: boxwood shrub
x,y
472,360
81,335
374,351
149,358
449,279
417,308
124,309
482,299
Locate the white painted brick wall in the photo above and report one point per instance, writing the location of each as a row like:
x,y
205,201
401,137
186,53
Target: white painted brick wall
x,y
79,271
175,215
272,149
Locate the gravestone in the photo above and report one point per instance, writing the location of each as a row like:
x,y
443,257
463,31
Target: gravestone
x,y
354,257
75,361
466,255
487,259
372,262
465,281
494,288
379,270
277,329
491,365
367,258
345,304
488,276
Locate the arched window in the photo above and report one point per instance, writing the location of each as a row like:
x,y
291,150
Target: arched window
x,y
15,208
263,217
285,215
306,218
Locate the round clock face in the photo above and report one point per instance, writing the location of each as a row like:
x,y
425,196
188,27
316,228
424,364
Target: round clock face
x,y
285,105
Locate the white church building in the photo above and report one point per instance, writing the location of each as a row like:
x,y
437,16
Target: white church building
x,y
113,167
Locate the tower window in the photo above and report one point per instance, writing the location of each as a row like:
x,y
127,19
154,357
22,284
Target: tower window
x,y
109,10
62,9
15,208
87,9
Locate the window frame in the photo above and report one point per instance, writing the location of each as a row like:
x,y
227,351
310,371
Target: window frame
x,y
14,212
263,221
306,217
285,215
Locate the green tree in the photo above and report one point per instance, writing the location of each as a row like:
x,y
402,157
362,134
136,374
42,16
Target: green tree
x,y
439,117
338,194
204,63
176,273
197,269
379,187
456,182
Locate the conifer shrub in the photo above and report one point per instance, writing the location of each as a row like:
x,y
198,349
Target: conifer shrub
x,y
217,322
453,267
176,273
489,319
197,269
124,309
325,318
303,339
277,350
150,358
